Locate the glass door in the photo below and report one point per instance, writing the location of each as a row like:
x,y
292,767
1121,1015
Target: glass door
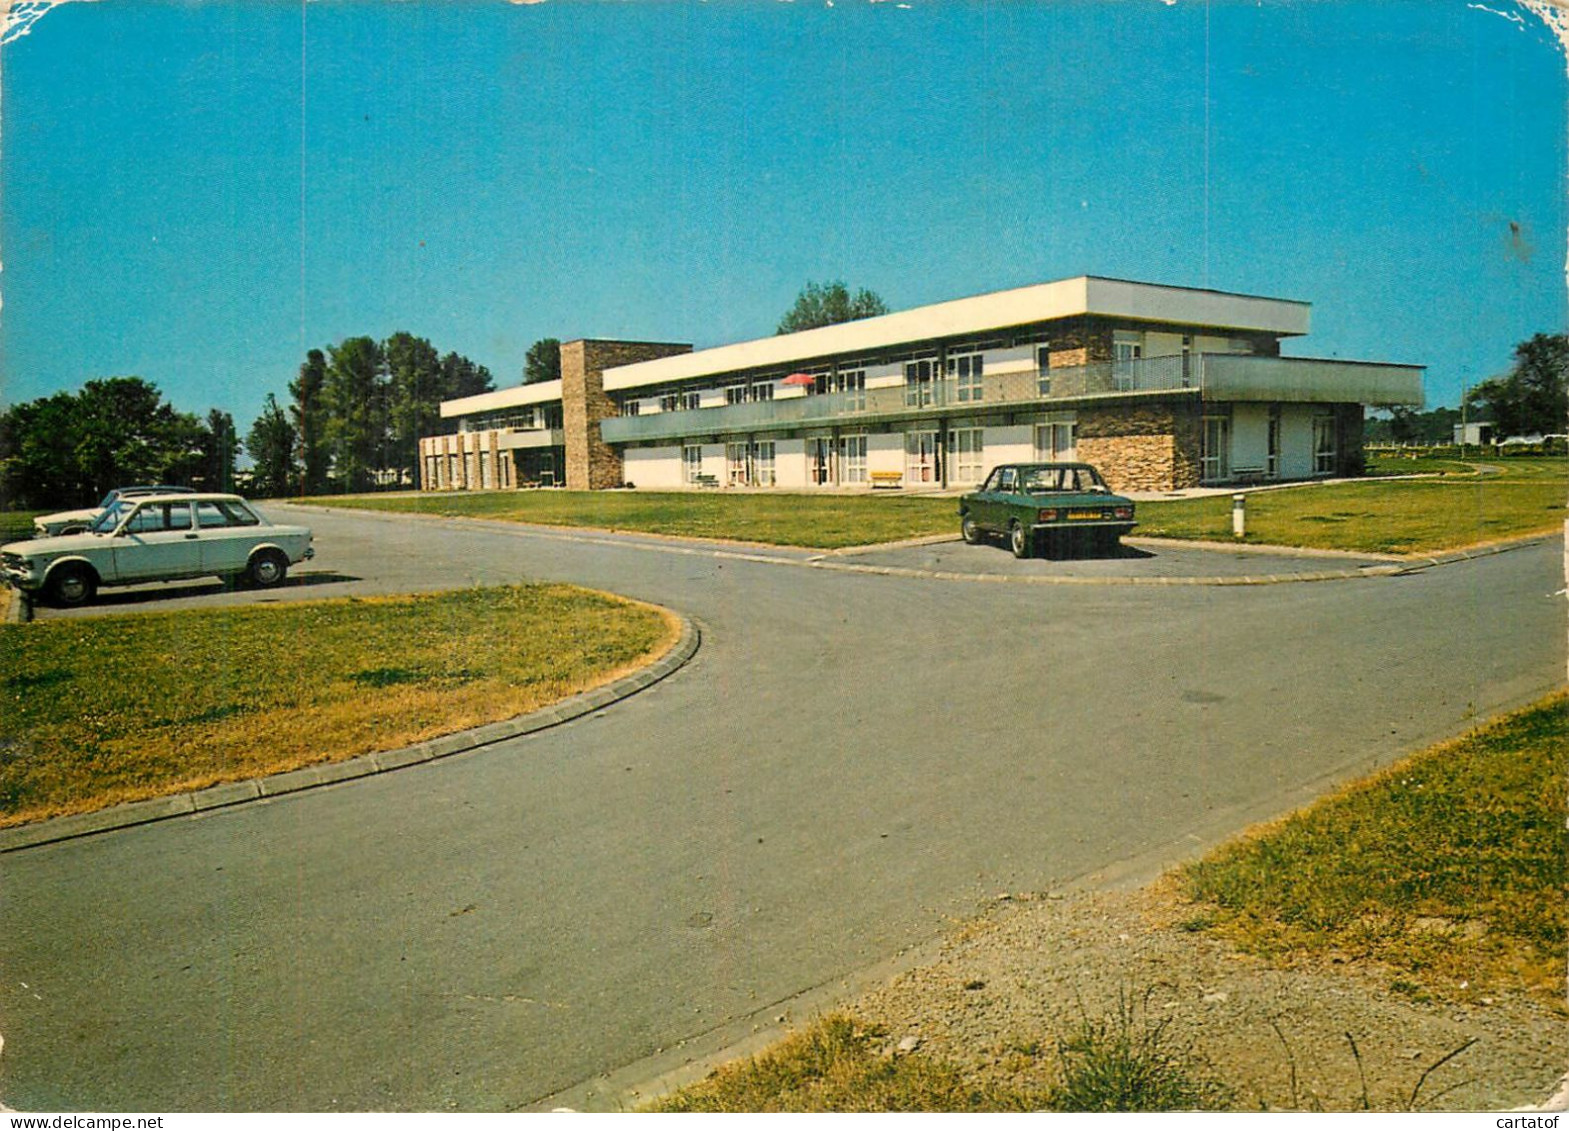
x,y
920,457
1215,459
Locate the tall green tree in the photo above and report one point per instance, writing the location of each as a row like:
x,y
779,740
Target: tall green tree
x,y
827,304
354,395
308,412
271,444
416,387
219,444
1532,396
125,432
461,377
70,448
542,362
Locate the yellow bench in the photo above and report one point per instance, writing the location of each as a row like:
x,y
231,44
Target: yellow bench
x,y
887,479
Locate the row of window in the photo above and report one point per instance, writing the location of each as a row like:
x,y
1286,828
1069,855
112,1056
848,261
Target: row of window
x,y
842,460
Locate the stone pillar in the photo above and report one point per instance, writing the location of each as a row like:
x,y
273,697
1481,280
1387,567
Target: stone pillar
x,y
592,464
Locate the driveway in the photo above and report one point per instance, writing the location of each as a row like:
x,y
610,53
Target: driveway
x,y
851,762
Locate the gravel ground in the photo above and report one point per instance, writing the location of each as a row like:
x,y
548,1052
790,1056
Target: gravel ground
x,y
1004,988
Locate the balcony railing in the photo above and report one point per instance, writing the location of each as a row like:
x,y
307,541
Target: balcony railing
x,y
1216,376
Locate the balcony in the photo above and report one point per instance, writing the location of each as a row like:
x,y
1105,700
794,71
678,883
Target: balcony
x,y
1227,377
530,438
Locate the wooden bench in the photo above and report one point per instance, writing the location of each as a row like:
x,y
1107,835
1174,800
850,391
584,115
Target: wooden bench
x,y
706,480
887,479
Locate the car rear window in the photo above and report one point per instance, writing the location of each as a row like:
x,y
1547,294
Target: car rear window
x,y
224,513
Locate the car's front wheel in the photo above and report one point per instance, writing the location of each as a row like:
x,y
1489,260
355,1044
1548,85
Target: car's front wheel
x,y
968,529
72,585
1019,540
268,569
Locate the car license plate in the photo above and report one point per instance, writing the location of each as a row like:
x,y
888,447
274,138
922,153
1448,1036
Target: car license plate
x,y
1083,514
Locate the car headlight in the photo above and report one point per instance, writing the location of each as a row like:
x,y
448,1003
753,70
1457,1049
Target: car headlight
x,y
1048,514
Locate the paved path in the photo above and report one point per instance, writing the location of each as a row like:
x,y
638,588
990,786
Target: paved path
x,y
849,763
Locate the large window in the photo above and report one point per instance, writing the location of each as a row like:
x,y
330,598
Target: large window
x,y
852,459
1323,445
763,463
690,401
1043,370
1215,456
920,457
918,382
691,462
966,455
852,383
761,392
1126,349
631,408
965,371
735,394
669,403
1055,441
735,465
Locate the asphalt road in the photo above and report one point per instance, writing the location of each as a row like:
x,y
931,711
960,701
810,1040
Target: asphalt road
x,y
850,763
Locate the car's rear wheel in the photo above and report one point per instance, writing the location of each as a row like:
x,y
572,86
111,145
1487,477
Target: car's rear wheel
x,y
72,585
1019,540
970,532
268,569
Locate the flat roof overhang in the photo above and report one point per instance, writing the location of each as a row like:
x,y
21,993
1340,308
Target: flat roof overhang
x,y
1000,310
513,396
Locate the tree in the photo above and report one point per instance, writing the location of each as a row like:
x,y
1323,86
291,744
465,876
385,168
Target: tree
x,y
271,442
309,415
353,394
542,362
416,385
461,377
69,448
827,304
218,444
1532,396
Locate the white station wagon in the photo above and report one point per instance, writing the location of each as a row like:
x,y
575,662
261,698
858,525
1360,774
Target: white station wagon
x,y
157,538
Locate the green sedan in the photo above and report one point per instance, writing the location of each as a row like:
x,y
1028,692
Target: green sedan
x,y
1051,503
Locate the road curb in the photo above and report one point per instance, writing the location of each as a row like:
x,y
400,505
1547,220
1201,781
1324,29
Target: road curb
x,y
230,794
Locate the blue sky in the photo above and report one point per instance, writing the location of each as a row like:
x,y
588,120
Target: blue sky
x,y
199,192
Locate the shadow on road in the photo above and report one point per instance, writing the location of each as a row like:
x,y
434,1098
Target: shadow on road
x,y
125,598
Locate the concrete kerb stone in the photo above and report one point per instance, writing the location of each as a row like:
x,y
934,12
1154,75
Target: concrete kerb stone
x,y
329,773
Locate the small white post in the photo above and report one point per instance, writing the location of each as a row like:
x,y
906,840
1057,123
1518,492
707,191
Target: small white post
x,y
1239,510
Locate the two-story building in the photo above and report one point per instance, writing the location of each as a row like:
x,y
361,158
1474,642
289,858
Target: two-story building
x,y
1160,387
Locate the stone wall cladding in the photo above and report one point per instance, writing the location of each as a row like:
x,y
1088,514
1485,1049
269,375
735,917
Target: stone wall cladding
x,y
592,464
1142,447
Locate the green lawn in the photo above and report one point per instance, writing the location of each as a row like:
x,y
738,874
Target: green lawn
x,y
821,521
118,708
16,525
1458,507
1450,868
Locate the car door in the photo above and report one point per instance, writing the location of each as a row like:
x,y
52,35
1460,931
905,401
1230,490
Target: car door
x,y
228,533
999,508
157,540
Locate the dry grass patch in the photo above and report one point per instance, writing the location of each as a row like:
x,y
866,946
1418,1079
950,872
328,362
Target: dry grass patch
x,y
120,708
838,1064
1449,869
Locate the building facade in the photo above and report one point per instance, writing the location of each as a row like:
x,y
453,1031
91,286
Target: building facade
x,y
1159,387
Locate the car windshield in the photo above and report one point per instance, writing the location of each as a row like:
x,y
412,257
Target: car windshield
x,y
1043,479
113,512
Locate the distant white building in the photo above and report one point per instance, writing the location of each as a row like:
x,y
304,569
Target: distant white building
x,y
1474,432
1160,387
